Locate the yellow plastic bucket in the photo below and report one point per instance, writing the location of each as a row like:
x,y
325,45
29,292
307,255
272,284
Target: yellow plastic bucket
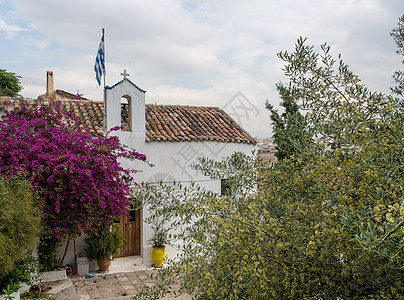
x,y
158,255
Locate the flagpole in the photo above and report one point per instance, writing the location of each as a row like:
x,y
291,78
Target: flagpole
x,y
103,31
105,91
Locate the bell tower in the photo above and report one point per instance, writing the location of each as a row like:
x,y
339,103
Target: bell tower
x,y
125,106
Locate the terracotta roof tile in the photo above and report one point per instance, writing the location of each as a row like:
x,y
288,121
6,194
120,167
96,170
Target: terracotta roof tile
x,y
174,123
196,123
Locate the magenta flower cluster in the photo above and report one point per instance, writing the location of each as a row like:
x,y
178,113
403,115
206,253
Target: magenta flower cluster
x,y
78,176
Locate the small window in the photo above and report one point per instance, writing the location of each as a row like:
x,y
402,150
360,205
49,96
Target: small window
x,y
132,213
224,187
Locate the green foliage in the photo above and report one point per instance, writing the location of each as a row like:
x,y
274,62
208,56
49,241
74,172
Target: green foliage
x,y
366,130
160,223
289,129
321,224
160,236
104,243
9,84
47,253
339,108
199,217
309,198
19,223
36,295
398,36
284,241
11,288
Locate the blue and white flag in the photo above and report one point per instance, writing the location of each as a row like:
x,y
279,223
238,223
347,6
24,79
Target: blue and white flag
x,y
99,66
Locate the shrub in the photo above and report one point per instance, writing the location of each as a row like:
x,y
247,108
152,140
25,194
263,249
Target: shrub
x,y
104,243
24,271
46,253
19,222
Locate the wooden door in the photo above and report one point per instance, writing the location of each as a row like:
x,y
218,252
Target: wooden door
x,y
131,233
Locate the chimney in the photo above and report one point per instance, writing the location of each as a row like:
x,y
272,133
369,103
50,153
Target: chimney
x,y
50,91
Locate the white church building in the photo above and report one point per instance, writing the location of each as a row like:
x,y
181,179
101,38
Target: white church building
x,y
171,136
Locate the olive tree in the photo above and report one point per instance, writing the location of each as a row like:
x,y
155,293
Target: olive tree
x,y
323,223
366,131
398,36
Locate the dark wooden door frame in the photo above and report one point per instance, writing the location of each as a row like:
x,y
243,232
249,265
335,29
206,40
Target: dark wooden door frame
x,y
131,228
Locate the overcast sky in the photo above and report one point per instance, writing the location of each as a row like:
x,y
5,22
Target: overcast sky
x,y
195,52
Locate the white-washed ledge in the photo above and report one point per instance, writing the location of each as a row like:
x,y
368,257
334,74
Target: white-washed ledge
x,y
53,275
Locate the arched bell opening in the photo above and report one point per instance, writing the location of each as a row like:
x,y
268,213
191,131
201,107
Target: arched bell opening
x,y
126,108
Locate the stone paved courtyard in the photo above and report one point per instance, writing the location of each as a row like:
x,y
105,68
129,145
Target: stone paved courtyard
x,y
110,286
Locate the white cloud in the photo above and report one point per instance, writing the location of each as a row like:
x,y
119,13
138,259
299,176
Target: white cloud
x,y
10,29
192,52
37,44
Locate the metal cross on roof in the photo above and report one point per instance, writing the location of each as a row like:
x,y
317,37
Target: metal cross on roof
x,y
124,74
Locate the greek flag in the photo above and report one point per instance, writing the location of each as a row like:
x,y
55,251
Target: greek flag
x,y
99,66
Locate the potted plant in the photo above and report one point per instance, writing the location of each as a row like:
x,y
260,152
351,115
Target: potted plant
x,y
156,200
159,240
103,245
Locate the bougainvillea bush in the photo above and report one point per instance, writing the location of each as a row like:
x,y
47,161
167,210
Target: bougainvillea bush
x,y
81,183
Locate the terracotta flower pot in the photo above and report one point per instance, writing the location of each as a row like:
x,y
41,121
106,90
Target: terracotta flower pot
x,y
103,265
35,288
